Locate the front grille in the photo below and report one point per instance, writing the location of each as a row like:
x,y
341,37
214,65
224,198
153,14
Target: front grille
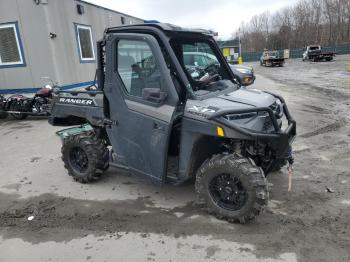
x,y
267,125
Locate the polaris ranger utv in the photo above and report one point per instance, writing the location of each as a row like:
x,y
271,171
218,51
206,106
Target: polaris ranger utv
x,y
154,115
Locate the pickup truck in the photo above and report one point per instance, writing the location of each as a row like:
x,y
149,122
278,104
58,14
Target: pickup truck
x,y
315,53
271,58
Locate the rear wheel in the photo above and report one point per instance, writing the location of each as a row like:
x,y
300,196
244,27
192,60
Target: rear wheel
x,y
19,116
85,156
3,114
232,188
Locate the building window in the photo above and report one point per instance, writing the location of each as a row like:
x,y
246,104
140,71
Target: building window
x,y
85,43
10,46
122,20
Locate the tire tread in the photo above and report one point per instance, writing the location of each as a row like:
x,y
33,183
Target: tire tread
x,y
96,150
247,168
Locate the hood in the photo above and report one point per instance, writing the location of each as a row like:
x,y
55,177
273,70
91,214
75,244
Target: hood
x,y
250,97
241,67
239,99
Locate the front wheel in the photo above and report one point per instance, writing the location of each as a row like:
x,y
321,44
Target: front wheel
x,y
232,188
85,156
279,165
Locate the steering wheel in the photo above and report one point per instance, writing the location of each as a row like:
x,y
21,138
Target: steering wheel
x,y
208,67
206,79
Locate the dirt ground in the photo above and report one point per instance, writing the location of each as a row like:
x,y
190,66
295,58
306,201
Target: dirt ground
x,y
127,218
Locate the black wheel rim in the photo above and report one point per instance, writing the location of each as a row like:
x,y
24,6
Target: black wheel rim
x,y
228,192
78,159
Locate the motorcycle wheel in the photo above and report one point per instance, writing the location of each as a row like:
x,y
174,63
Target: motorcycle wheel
x,y
19,116
3,114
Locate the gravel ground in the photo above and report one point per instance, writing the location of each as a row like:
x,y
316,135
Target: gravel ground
x,y
127,218
331,78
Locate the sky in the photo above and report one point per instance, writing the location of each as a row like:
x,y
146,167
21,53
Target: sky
x,y
222,16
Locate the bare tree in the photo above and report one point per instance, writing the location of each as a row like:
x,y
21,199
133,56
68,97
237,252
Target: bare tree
x,y
326,22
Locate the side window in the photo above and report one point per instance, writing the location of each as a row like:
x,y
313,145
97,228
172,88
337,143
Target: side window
x,y
85,43
137,66
188,60
10,47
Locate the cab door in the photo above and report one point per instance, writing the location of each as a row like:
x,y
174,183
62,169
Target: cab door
x,y
142,101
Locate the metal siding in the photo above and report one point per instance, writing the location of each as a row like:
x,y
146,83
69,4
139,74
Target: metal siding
x,y
10,12
57,58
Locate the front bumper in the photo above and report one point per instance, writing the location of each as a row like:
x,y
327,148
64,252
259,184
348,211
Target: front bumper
x,y
279,140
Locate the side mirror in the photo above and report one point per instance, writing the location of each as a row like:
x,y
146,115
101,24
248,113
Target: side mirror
x,y
154,95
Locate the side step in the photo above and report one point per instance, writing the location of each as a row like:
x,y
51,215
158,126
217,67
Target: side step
x,y
172,169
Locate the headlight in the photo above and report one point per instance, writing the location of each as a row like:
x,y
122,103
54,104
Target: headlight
x,y
277,108
247,80
240,116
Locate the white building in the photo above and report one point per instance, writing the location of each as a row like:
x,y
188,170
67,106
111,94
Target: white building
x,y
51,38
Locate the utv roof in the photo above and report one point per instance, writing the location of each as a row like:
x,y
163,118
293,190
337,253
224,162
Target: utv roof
x,y
162,26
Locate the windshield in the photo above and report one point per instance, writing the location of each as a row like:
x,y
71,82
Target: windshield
x,y
272,53
314,48
202,64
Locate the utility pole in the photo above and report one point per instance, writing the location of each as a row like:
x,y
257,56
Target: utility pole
x,y
240,60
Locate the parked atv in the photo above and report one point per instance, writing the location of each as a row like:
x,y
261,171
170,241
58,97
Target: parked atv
x,y
20,106
152,116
